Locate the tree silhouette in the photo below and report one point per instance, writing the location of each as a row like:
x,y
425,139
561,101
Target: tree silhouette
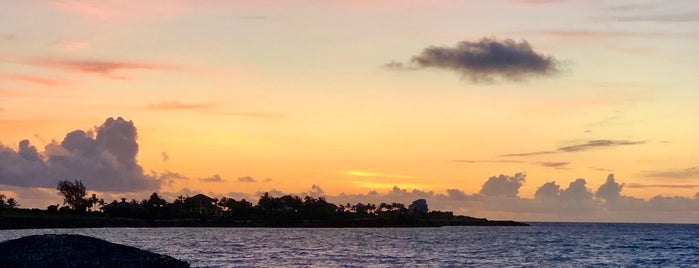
x,y
12,203
73,193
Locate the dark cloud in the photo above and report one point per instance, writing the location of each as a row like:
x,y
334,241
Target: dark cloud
x,y
576,191
246,179
548,191
592,144
316,191
503,185
105,162
610,190
213,178
484,60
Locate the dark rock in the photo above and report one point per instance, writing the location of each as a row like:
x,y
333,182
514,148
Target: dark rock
x,y
77,251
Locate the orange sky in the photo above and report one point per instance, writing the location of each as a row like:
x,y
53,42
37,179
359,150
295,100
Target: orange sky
x,y
346,95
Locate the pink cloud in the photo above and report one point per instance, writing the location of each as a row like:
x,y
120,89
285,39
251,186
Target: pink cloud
x,y
122,11
8,37
536,1
35,80
73,45
176,105
104,68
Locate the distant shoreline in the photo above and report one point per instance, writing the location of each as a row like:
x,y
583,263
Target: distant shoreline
x,y
37,219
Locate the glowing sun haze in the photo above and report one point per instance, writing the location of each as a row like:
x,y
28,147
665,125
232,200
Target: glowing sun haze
x,y
488,108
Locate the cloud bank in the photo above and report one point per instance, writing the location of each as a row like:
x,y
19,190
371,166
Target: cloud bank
x,y
103,158
486,60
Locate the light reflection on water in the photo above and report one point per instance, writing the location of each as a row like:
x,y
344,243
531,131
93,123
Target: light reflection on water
x,y
544,244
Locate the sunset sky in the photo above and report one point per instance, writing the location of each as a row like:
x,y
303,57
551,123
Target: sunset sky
x,y
357,100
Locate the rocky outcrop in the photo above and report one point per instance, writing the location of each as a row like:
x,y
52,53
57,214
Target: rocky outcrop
x,y
78,251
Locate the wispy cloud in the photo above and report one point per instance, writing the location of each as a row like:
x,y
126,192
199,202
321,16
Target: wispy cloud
x,y
260,18
115,11
73,45
589,145
35,80
100,67
676,186
537,1
484,60
655,11
358,173
176,105
247,114
599,34
8,37
598,143
692,172
557,165
678,17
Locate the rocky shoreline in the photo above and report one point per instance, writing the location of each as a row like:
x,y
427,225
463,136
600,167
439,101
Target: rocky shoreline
x,y
78,251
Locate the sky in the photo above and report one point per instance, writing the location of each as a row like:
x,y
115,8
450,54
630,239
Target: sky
x,y
533,110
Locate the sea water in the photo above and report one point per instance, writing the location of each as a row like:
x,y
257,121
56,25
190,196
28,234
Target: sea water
x,y
539,245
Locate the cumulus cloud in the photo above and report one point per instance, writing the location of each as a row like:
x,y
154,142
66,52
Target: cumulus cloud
x,y
316,191
588,145
169,177
213,178
610,190
484,60
503,185
548,191
103,158
246,179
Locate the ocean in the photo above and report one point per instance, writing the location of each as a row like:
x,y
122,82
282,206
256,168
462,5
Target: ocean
x,y
539,245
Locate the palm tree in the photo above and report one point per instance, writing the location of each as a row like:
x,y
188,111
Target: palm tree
x,y
12,203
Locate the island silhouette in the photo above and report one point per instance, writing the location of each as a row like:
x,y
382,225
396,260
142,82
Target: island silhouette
x,y
200,210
